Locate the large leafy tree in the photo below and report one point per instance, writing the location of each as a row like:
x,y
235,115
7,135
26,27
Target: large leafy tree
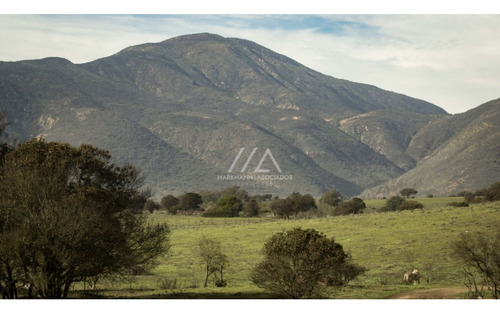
x,y
297,263
67,214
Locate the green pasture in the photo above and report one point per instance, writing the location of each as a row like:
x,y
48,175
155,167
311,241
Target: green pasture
x,y
388,244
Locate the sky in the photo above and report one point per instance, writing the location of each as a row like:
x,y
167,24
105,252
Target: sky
x,y
450,60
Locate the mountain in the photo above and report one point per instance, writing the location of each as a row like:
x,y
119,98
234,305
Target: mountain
x,y
202,111
455,153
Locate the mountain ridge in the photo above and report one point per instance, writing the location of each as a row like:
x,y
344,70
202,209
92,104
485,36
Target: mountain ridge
x,y
205,97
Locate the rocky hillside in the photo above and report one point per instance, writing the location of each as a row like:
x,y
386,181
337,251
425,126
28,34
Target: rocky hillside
x,y
456,153
184,109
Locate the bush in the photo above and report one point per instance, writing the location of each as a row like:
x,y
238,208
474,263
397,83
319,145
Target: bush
x,y
492,193
170,203
410,205
383,209
189,202
458,204
394,202
298,263
228,206
292,205
353,206
167,283
332,198
251,208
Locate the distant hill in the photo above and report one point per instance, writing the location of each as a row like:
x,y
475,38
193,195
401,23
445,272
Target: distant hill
x,y
456,153
184,109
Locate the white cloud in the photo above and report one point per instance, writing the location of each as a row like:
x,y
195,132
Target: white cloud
x,y
451,61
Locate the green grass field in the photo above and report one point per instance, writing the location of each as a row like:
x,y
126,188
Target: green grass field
x,y
388,244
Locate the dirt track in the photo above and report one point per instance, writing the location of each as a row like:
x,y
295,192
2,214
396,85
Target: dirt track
x,y
436,293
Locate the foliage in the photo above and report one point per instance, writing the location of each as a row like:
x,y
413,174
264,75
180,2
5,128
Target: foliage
x,y
67,214
214,196
458,204
352,206
394,202
292,205
151,206
214,261
170,203
410,205
298,262
332,198
251,208
480,251
378,240
189,202
407,192
492,192
228,206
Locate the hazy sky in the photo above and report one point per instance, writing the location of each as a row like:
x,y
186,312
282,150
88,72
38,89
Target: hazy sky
x,y
452,61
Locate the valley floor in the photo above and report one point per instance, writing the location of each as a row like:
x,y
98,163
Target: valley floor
x,y
388,244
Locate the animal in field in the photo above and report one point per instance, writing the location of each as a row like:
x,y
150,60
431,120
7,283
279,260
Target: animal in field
x,y
413,277
406,278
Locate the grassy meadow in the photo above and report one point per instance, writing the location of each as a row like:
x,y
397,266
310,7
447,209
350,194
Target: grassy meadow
x,y
388,244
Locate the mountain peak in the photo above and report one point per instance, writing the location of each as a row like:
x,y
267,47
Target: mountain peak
x,y
183,108
195,37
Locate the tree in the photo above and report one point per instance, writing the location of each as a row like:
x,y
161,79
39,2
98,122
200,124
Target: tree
x,y
407,192
214,261
394,202
170,202
190,202
297,263
410,205
251,208
352,206
292,205
480,254
67,214
492,193
151,206
331,198
228,206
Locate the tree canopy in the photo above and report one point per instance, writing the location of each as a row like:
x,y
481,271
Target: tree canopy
x,y
407,192
331,198
297,263
292,205
67,214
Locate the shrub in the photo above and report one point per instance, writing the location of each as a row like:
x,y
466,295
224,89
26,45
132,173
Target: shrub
x,y
332,198
170,203
492,193
298,263
458,204
410,205
353,206
228,206
394,202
